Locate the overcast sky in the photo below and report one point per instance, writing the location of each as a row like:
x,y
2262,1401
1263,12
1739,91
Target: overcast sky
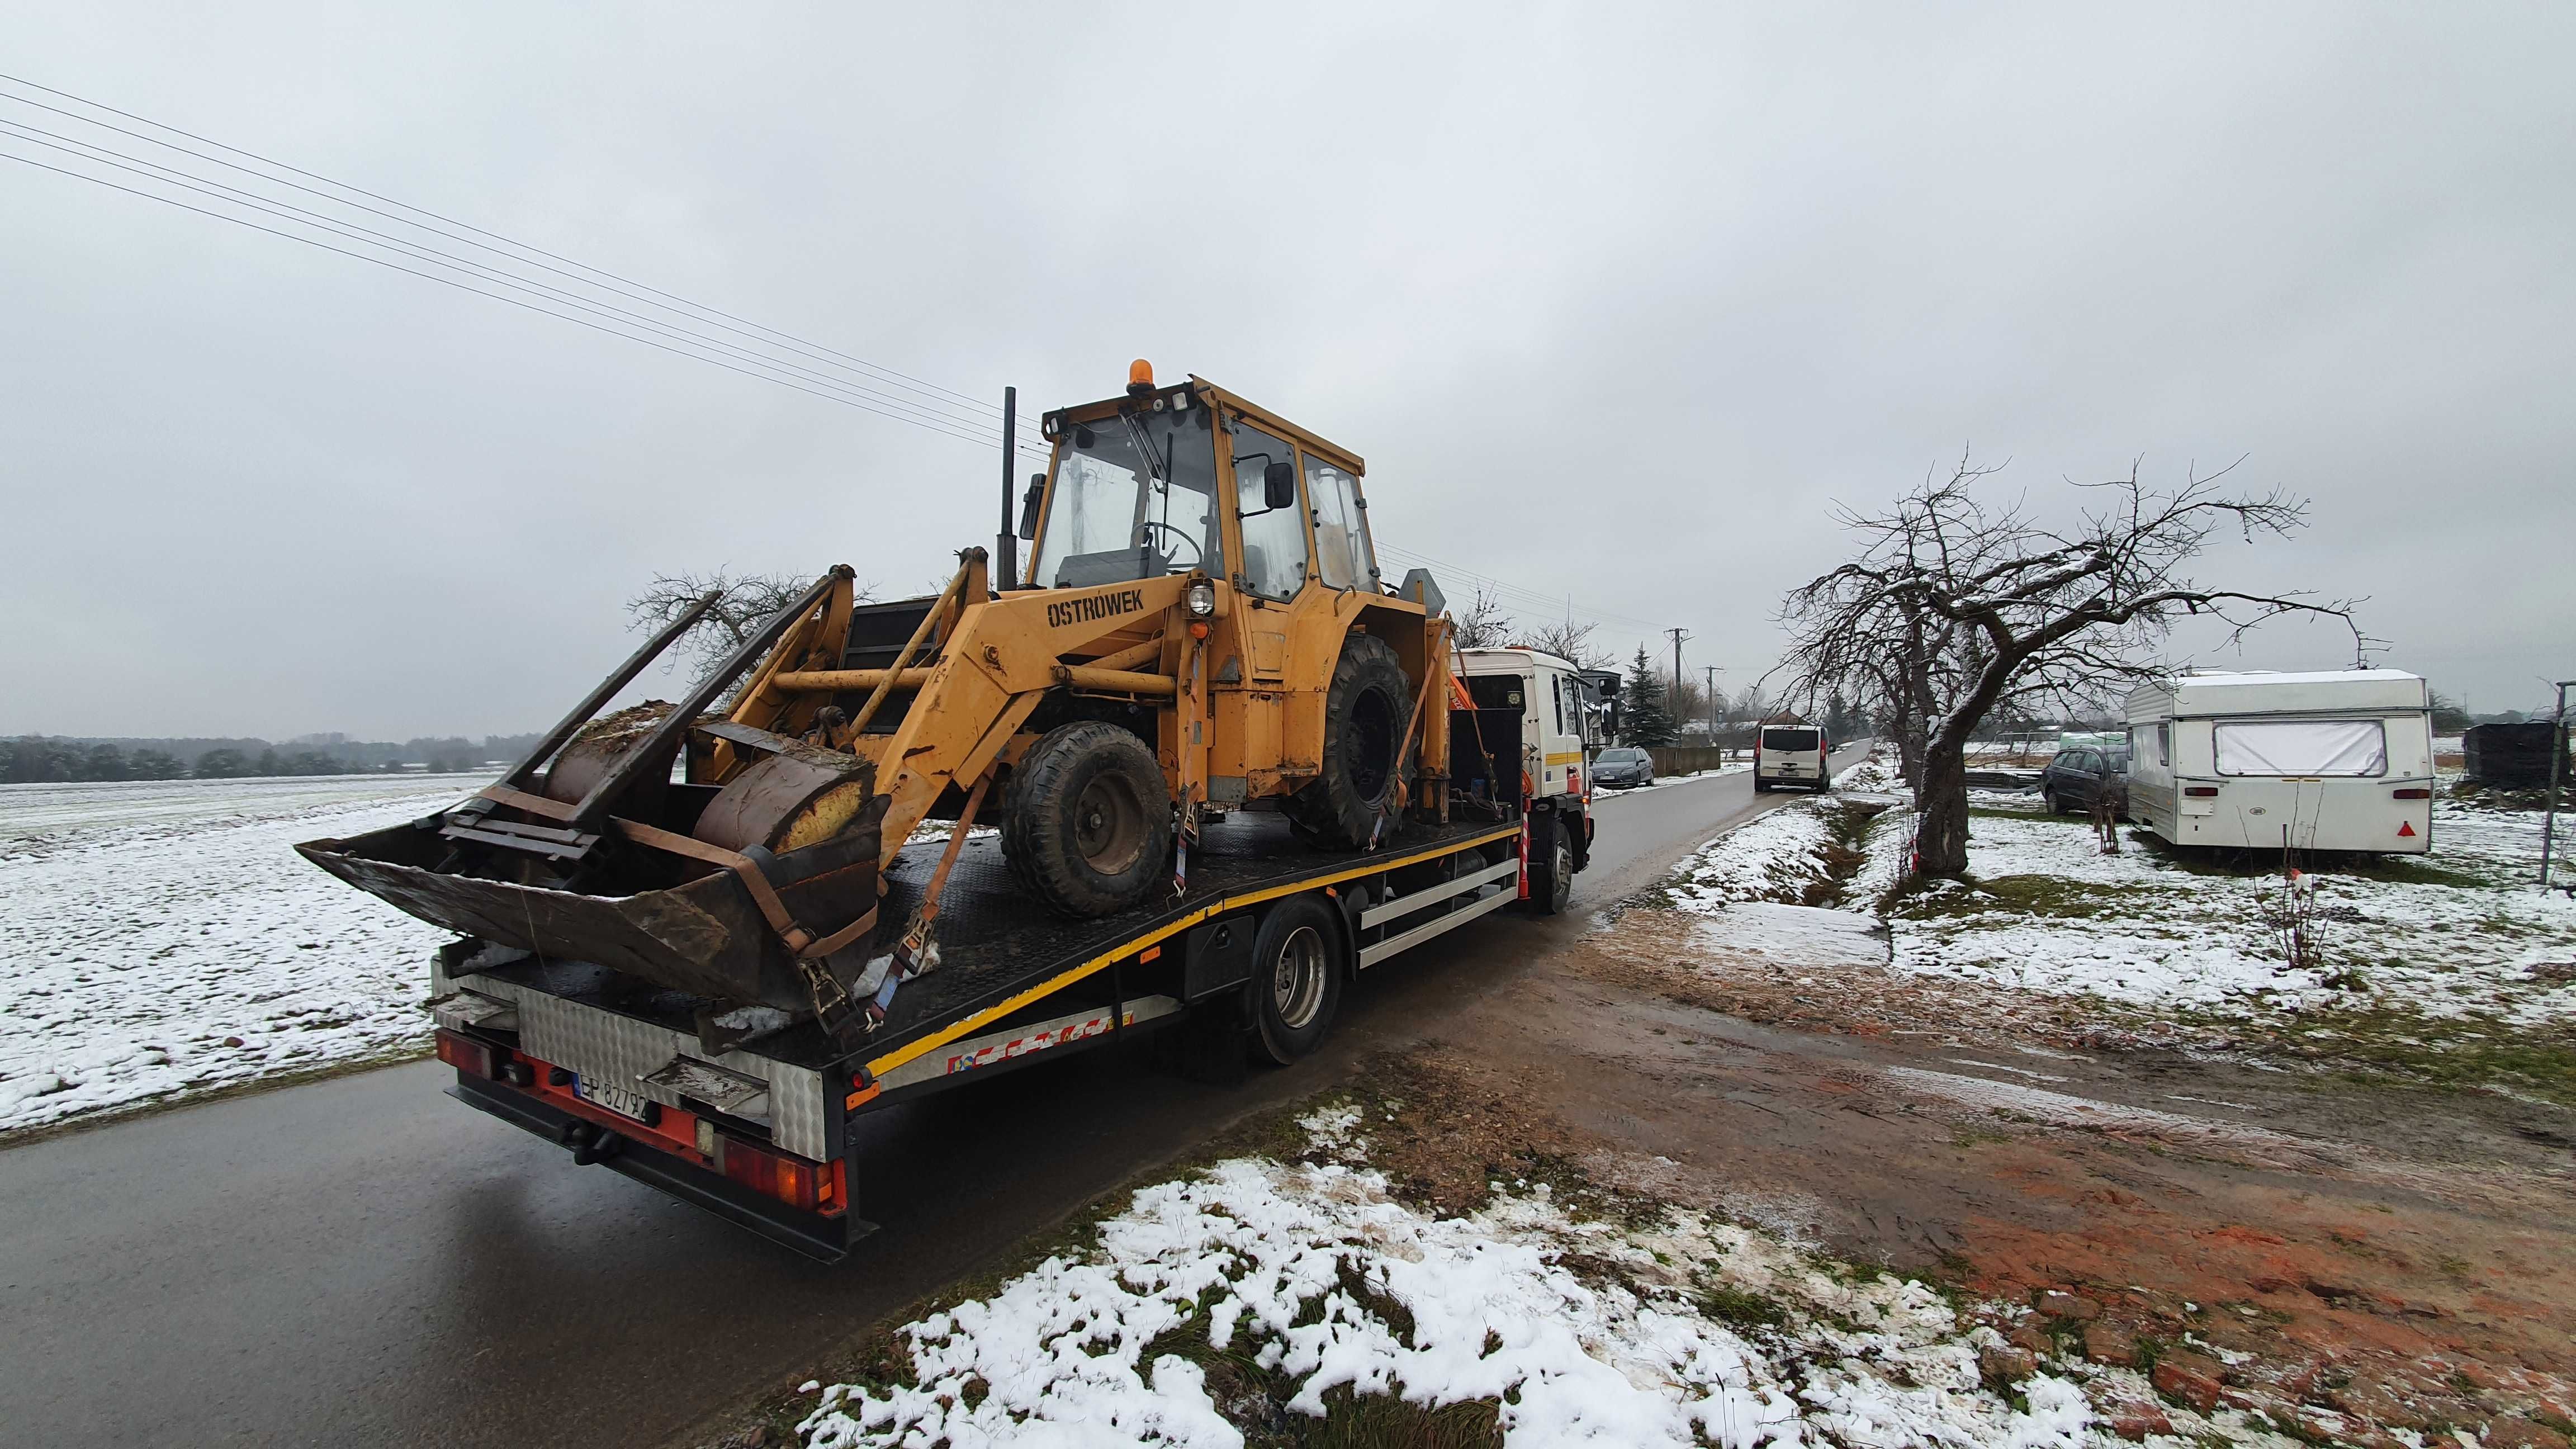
x,y
1617,303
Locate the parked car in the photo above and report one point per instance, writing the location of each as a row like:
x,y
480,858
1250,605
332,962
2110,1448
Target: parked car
x,y
2077,776
1792,755
1623,767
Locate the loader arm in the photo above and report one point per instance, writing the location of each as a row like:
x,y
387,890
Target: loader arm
x,y
999,657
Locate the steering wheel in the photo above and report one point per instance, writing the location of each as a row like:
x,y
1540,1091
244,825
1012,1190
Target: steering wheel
x,y
1196,553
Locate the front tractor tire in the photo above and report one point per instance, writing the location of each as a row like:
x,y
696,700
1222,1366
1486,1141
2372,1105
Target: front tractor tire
x,y
1087,819
1364,718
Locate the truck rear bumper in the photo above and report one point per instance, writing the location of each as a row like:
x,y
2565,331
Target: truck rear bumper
x,y
823,1238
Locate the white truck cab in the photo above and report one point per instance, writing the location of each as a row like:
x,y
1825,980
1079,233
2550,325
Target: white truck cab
x,y
1549,696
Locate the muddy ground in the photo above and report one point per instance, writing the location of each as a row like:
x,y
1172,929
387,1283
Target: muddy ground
x,y
2403,1256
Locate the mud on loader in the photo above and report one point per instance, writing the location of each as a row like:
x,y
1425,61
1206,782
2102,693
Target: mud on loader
x,y
1202,628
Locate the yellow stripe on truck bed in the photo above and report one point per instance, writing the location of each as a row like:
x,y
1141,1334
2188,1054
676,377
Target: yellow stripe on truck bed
x,y
953,1031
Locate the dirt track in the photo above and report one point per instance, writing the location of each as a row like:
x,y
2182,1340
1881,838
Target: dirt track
x,y
2408,1256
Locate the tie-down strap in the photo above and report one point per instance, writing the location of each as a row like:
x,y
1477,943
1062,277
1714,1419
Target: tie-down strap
x,y
800,942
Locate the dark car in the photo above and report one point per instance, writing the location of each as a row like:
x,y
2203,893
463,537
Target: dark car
x,y
2076,776
1623,768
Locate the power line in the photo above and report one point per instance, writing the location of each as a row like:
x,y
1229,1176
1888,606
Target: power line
x,y
1514,593
495,296
270,206
887,373
937,413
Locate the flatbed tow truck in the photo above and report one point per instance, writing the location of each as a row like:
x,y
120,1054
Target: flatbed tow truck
x,y
761,1135
1226,765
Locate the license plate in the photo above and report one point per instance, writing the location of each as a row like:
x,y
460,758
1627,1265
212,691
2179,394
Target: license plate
x,y
623,1103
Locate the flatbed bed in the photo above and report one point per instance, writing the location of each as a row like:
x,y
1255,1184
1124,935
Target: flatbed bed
x,y
620,1070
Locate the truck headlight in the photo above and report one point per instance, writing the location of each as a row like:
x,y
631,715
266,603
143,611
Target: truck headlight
x,y
1201,598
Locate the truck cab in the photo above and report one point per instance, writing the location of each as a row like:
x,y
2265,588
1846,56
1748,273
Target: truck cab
x,y
1529,718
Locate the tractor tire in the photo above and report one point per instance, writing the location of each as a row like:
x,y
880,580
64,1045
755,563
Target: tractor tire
x,y
1087,819
1364,718
1296,978
1551,867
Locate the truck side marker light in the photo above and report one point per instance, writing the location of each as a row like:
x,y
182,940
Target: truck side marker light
x,y
2201,792
1150,953
2412,794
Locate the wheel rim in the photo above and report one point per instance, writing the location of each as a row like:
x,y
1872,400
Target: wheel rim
x,y
1371,751
1297,978
1561,864
1108,824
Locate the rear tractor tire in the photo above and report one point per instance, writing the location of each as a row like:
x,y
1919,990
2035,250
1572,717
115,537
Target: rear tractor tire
x,y
1087,819
1364,719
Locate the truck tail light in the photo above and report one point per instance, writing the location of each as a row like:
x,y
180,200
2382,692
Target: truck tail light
x,y
2413,794
468,1055
792,1180
2201,792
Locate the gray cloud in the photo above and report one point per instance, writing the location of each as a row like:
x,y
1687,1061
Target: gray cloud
x,y
1615,307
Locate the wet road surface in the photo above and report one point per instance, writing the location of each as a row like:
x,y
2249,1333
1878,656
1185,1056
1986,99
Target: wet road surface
x,y
364,1261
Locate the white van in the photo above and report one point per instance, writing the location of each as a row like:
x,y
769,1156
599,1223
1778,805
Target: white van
x,y
2337,760
1792,754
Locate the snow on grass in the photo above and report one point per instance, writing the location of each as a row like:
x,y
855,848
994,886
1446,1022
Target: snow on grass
x,y
1304,1288
2460,934
165,939
2447,939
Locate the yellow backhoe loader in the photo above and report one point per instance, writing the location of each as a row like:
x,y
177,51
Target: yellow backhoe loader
x,y
1202,627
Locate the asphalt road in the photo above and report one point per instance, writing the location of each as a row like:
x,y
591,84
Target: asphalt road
x,y
363,1261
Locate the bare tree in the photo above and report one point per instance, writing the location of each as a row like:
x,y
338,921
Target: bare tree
x,y
1954,607
1568,641
1484,625
749,600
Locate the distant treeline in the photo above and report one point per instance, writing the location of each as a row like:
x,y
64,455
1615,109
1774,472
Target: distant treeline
x,y
41,759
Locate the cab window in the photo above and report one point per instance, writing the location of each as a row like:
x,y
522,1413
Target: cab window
x,y
1342,556
1134,498
1274,539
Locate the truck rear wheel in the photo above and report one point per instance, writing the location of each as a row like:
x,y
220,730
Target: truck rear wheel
x,y
1087,819
1296,977
1364,719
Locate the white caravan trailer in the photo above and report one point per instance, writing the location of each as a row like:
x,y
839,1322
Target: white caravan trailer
x,y
2341,760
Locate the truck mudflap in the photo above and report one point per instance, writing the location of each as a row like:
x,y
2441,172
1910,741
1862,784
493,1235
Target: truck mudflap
x,y
824,1237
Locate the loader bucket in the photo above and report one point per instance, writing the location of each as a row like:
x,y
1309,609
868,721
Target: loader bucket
x,y
703,936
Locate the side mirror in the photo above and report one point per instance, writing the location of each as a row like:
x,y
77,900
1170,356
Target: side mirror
x,y
1279,485
1029,506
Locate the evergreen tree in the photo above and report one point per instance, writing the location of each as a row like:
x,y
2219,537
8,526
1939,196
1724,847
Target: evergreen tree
x,y
1647,722
104,762
222,764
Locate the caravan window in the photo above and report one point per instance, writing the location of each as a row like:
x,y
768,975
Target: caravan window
x,y
2147,746
2353,747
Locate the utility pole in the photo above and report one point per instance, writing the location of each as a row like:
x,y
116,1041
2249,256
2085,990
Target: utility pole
x,y
1678,636
1711,670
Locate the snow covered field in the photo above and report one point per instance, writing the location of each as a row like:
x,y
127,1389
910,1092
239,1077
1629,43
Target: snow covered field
x,y
1217,1295
165,939
2460,934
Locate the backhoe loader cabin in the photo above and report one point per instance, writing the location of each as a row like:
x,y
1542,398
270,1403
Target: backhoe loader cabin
x,y
1226,766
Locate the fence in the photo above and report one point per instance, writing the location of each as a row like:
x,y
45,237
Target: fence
x,y
1687,759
